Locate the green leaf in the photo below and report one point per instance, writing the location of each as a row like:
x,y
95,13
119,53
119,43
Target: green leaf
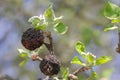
x,y
34,20
110,28
112,11
49,14
65,74
56,78
60,28
102,60
91,58
80,47
23,63
40,50
115,21
23,53
58,19
41,27
93,75
77,60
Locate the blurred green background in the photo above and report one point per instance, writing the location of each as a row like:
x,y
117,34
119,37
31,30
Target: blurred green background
x,y
86,22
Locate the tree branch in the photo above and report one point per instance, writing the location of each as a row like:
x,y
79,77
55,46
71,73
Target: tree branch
x,y
118,48
73,76
36,57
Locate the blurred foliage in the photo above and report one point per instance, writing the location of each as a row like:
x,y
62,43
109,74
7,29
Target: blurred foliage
x,y
105,74
112,12
90,59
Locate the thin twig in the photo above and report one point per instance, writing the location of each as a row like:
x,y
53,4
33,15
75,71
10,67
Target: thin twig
x,y
50,45
73,76
80,70
40,59
36,57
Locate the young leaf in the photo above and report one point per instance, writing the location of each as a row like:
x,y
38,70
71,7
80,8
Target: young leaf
x,y
115,21
103,60
80,47
57,19
41,27
23,53
91,58
56,78
112,11
23,63
49,14
60,28
110,28
34,20
65,74
77,60
93,75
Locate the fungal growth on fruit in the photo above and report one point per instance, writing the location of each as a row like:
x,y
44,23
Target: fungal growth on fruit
x,y
50,65
32,38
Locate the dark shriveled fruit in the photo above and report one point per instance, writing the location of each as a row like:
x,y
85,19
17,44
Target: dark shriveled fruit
x,y
32,38
50,65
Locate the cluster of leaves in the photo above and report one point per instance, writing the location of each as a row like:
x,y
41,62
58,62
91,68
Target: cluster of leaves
x,y
26,55
112,12
90,60
43,22
48,19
